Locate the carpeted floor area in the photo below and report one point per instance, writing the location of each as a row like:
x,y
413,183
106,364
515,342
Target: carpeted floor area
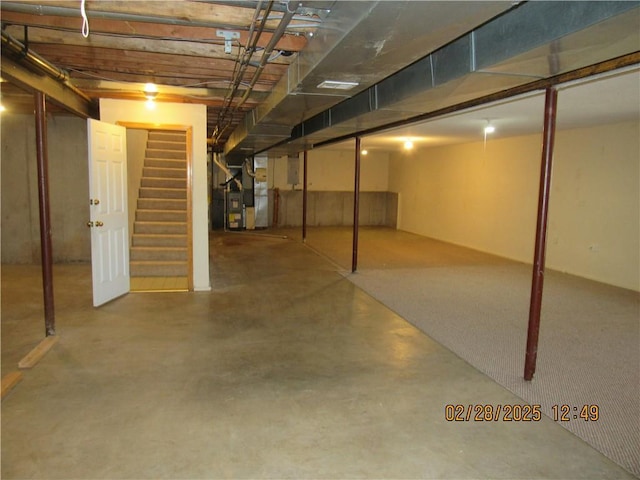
x,y
477,306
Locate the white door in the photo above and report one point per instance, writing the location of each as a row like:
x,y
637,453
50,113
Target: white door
x,y
109,217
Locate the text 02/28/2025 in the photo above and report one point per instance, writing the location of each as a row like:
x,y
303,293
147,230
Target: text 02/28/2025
x,y
492,413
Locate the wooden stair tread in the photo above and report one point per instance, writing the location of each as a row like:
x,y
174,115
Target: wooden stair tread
x,y
162,204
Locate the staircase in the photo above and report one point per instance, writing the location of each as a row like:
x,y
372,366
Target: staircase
x,y
159,241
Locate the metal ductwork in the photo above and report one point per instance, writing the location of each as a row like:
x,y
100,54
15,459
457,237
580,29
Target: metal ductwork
x,y
358,41
533,41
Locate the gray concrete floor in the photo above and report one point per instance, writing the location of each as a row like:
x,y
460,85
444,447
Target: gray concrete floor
x,y
284,370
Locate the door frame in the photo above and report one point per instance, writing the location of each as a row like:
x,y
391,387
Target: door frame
x,y
188,130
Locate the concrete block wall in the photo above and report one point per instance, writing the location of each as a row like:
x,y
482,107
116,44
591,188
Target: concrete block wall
x,y
327,208
68,189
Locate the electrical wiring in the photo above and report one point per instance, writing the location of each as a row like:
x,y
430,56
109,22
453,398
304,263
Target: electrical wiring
x,y
251,47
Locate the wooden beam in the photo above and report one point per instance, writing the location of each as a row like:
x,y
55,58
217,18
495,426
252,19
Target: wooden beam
x,y
195,12
207,49
35,355
288,42
81,57
99,86
54,90
9,381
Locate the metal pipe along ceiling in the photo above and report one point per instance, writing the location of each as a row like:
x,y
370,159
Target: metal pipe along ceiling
x,y
241,67
275,38
36,62
20,51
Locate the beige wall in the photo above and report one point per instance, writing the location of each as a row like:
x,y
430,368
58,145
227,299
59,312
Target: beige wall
x,y
68,189
594,213
113,111
333,170
330,182
487,199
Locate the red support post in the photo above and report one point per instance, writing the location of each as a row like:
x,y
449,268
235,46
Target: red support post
x,y
356,208
45,217
537,283
304,198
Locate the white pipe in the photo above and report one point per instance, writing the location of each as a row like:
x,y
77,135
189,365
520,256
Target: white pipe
x,y
248,168
224,168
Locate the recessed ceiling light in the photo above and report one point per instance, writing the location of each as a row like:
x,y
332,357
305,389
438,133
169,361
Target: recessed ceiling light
x,y
408,145
338,85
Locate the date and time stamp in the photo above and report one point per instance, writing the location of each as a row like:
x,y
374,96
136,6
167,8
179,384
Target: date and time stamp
x,y
519,413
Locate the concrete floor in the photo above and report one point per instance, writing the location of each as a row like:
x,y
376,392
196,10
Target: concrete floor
x,y
284,370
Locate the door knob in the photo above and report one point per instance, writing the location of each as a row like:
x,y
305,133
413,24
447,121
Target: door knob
x,y
89,224
94,202
99,224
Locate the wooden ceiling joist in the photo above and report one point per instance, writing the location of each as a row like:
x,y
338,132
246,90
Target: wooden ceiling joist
x,y
71,54
288,42
173,47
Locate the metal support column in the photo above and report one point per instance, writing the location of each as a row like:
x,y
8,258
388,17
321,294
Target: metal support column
x,y
304,198
45,218
548,136
356,208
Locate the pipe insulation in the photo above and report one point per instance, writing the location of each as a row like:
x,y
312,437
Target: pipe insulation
x,y
223,167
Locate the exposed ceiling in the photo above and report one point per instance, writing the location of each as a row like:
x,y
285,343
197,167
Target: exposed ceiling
x,y
262,86
175,44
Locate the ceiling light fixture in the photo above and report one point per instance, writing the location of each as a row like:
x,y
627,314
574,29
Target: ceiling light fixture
x,y
408,145
150,92
364,152
488,130
337,85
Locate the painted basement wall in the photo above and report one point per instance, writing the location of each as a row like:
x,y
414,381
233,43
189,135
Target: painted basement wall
x,y
333,170
113,111
330,184
68,189
487,200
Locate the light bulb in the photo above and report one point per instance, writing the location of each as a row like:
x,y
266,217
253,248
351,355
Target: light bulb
x,y
150,88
